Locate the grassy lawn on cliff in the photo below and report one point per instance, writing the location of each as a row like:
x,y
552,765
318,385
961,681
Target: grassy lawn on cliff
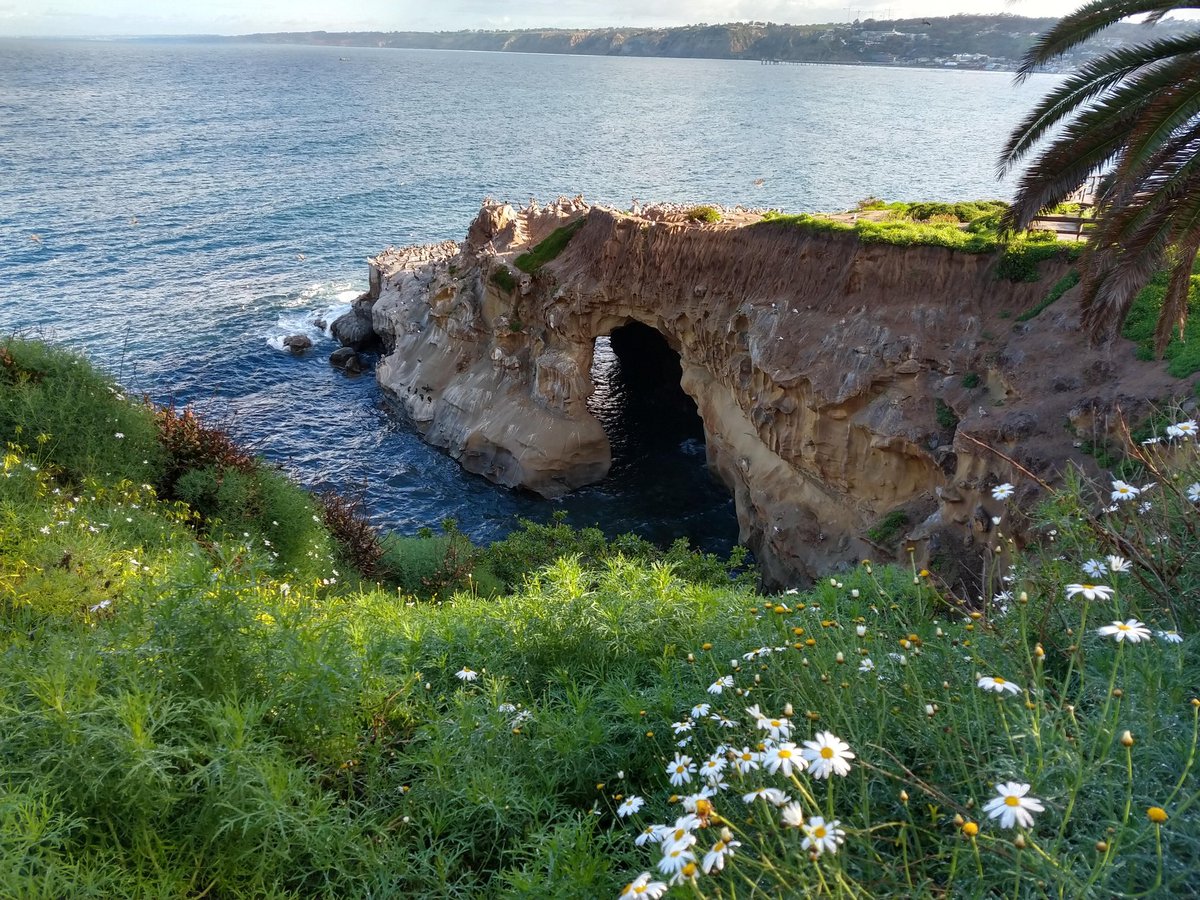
x,y
214,696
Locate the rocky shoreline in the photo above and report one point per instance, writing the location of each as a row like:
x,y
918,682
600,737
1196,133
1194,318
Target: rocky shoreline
x,y
840,384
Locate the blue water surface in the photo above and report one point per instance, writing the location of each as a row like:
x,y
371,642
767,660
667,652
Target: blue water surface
x,y
175,209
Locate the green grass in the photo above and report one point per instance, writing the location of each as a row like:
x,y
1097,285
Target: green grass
x,y
888,530
1182,353
1060,287
503,278
184,711
971,380
548,249
1020,256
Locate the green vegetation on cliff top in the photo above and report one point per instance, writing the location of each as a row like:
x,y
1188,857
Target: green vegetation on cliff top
x,y
549,248
213,700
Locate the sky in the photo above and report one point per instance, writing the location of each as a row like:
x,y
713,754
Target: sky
x,y
142,17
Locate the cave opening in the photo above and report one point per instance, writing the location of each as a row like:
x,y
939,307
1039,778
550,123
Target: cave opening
x,y
657,441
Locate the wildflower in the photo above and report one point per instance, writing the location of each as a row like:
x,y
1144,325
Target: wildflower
x,y
1193,492
1130,630
1185,429
827,754
1090,591
700,710
997,684
45,529
1003,491
686,875
466,674
1118,564
713,767
681,769
681,727
723,721
1171,637
715,858
792,815
783,757
1094,568
1122,490
631,805
119,435
774,796
1156,814
674,859
680,834
970,829
1126,738
650,833
866,665
1011,805
779,729
725,681
821,837
643,887
745,760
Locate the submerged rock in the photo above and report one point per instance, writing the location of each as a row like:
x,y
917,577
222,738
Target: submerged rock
x,y
346,359
298,343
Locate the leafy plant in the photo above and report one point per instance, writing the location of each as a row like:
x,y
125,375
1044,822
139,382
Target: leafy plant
x,y
549,248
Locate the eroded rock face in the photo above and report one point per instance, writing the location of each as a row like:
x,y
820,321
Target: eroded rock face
x,y
838,382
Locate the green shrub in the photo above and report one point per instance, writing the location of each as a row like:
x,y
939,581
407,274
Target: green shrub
x,y
971,381
946,416
504,279
1183,352
548,249
889,529
706,214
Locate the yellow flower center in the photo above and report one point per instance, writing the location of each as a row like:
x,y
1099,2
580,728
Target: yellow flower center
x,y
826,753
1123,627
999,680
1010,800
785,754
819,832
748,757
775,723
639,889
1088,587
679,768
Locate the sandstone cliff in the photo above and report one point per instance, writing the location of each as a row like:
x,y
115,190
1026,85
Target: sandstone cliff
x,y
838,382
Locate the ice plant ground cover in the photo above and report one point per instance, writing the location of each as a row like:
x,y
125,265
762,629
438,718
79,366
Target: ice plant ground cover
x,y
187,712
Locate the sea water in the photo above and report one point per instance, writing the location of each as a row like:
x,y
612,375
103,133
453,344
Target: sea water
x,y
176,209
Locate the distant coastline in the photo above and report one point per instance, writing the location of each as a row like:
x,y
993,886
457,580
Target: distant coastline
x,y
963,42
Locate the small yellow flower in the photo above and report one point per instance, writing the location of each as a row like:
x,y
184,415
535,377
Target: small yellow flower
x,y
706,646
970,829
1101,846
1156,814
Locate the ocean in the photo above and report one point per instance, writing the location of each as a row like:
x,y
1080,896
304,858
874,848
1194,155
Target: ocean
x,y
175,209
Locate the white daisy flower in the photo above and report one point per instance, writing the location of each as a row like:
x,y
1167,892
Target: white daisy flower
x,y
866,665
1118,564
712,768
1090,591
745,760
722,721
642,888
1171,637
651,833
700,710
681,727
1124,491
1193,492
680,834
675,859
1184,430
785,757
681,769
1003,491
792,815
630,806
1094,568
860,630
725,681
997,685
715,858
1011,805
822,837
778,729
774,796
827,754
466,674
1130,630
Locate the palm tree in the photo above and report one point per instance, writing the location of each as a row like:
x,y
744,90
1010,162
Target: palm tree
x,y
1132,117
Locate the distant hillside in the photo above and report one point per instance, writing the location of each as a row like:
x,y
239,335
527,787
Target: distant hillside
x,y
963,41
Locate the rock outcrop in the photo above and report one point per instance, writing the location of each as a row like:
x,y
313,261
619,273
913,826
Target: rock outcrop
x,y
840,383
